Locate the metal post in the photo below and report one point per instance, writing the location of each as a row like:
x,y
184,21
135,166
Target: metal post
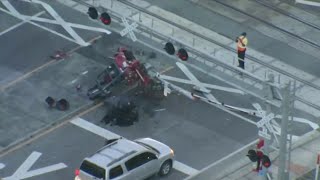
x,y
151,28
111,4
317,168
193,42
269,97
292,95
282,171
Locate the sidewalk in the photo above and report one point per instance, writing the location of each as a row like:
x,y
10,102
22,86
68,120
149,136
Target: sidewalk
x,y
303,160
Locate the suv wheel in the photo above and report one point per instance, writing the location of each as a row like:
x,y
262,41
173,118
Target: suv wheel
x,y
165,168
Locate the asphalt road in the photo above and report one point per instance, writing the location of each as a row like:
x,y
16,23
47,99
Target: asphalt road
x,y
199,133
26,46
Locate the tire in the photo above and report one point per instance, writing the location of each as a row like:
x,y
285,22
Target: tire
x,y
165,168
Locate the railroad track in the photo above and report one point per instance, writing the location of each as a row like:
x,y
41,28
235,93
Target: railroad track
x,y
199,54
285,13
295,36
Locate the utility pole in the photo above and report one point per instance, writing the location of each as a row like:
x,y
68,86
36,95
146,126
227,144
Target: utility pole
x,y
283,173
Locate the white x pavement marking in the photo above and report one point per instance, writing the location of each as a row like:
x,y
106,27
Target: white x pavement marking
x,y
58,20
23,171
21,23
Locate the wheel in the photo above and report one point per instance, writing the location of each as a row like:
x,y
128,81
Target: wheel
x,y
165,168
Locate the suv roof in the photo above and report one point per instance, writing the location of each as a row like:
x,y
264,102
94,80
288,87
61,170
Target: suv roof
x,y
114,152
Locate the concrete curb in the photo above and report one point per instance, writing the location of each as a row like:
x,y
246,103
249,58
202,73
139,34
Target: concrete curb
x,y
245,170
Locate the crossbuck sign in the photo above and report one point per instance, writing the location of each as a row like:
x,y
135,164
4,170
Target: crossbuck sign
x,y
264,123
128,29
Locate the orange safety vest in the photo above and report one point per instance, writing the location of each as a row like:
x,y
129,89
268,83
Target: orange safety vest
x,y
242,40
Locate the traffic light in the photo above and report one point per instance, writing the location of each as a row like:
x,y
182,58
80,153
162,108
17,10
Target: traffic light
x,y
93,13
169,48
266,161
183,54
252,155
105,18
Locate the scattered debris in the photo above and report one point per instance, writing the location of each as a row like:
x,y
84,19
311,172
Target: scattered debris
x,y
152,55
123,112
158,110
62,104
58,55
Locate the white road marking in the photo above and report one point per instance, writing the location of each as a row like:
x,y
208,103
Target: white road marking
x,y
42,27
184,168
20,23
23,173
58,20
110,135
63,23
94,128
225,158
11,9
44,170
211,86
2,166
80,26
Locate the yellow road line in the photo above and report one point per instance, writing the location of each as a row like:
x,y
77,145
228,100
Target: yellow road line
x,y
167,69
32,139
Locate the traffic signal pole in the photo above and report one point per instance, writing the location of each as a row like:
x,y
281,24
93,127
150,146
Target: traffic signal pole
x,y
283,173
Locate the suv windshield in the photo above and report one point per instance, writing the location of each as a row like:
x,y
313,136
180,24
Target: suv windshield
x,y
93,169
148,147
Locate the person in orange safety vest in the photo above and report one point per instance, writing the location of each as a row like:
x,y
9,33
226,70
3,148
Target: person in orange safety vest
x,y
242,43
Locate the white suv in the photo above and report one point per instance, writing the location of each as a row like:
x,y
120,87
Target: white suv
x,y
127,160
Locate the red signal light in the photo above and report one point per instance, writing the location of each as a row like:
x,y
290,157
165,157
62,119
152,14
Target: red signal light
x,y
105,18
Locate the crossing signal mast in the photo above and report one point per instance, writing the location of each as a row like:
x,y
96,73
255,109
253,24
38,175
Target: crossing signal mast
x,y
94,14
182,53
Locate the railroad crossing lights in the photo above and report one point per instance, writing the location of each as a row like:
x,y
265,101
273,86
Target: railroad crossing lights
x,y
129,28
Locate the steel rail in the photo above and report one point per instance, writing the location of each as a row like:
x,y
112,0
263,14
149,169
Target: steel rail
x,y
204,56
315,45
281,11
222,45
